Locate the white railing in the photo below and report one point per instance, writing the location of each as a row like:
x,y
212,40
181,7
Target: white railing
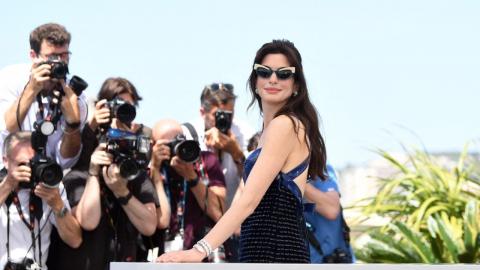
x,y
244,266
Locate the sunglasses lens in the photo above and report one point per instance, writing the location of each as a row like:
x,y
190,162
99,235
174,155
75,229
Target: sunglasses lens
x,y
228,86
284,74
263,72
214,86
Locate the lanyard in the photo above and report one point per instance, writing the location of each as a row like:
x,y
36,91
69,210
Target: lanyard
x,y
36,211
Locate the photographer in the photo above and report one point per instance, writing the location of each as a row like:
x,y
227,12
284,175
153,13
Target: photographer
x,y
220,133
328,232
109,188
40,92
29,209
190,185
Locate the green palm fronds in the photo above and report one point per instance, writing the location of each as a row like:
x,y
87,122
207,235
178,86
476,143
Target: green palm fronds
x,y
434,212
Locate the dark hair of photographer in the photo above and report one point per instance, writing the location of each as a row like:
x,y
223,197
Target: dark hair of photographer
x,y
216,94
53,33
113,87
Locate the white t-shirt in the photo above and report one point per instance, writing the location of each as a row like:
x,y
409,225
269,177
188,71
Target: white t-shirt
x,y
20,236
13,80
243,132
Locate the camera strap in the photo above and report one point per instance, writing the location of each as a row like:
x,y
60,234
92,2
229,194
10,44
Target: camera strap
x,y
106,206
35,207
192,130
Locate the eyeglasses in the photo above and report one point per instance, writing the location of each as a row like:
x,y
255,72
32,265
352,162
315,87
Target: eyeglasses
x,y
221,86
266,72
63,55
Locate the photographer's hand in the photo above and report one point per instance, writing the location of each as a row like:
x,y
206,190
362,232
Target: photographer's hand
x,y
160,153
225,142
69,106
51,196
184,169
38,76
16,174
115,182
101,115
99,158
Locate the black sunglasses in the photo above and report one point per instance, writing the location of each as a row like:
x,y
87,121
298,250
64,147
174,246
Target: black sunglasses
x,y
221,86
266,72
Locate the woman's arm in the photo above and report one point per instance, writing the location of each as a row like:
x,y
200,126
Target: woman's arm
x,y
280,140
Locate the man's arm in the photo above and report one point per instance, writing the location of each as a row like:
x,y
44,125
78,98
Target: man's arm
x,y
38,76
67,226
143,216
71,139
164,211
327,204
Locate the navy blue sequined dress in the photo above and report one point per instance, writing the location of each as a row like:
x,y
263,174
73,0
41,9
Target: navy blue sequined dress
x,y
276,232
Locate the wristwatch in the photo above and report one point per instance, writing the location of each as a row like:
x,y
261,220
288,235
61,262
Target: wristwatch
x,y
124,200
62,212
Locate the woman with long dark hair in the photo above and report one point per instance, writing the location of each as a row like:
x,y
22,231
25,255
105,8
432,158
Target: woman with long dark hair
x,y
290,150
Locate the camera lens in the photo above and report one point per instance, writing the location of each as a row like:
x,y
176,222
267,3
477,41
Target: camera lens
x,y
48,173
125,113
128,169
188,151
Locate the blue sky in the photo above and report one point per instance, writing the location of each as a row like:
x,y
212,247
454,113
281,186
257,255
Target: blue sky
x,y
378,71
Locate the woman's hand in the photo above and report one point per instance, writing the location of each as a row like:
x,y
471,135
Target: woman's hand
x,y
187,256
101,114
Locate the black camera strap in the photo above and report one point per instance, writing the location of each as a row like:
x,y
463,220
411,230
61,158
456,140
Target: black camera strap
x,y
192,130
36,211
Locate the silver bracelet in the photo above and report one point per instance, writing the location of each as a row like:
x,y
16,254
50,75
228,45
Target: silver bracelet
x,y
207,248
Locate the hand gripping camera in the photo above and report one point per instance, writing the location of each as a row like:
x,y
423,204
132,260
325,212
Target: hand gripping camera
x,y
186,150
223,120
130,152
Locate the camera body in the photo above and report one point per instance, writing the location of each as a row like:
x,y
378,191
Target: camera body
x,y
25,264
130,152
223,120
45,171
122,110
186,150
58,68
338,256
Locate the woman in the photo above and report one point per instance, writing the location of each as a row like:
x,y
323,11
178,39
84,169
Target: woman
x,y
290,148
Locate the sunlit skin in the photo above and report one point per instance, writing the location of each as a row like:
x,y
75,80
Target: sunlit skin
x,y
282,150
273,91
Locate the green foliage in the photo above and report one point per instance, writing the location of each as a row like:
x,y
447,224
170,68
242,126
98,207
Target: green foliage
x,y
434,213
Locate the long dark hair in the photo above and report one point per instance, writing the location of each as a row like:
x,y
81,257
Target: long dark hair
x,y
298,106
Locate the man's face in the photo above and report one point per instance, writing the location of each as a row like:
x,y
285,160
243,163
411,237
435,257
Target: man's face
x,y
20,154
209,117
50,51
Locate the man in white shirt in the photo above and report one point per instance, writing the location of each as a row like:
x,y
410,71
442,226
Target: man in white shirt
x,y
27,214
229,145
26,92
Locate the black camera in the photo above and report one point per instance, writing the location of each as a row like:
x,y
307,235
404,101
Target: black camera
x,y
223,120
130,152
122,110
186,150
58,68
338,256
26,264
45,171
